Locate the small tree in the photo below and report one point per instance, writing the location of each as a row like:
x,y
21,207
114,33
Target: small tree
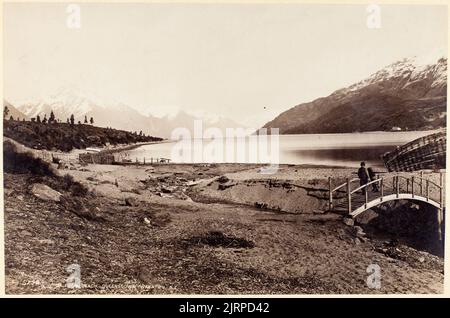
x,y
38,118
68,120
45,119
85,119
72,119
79,122
11,117
51,120
5,112
92,120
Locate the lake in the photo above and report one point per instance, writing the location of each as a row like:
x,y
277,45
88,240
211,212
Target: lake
x,y
319,149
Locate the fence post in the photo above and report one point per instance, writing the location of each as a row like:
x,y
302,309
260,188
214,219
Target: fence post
x,y
393,184
381,189
427,188
440,211
349,196
412,186
421,183
378,182
366,194
330,203
439,221
397,185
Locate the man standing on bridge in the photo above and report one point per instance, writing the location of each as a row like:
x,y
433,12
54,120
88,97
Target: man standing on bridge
x,y
363,176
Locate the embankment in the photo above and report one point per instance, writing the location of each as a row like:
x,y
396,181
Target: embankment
x,y
293,189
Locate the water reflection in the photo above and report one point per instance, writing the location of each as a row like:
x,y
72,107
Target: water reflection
x,y
348,157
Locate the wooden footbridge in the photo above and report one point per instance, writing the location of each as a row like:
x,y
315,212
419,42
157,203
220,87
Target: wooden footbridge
x,y
352,199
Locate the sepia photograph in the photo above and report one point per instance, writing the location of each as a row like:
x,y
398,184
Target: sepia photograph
x,y
224,149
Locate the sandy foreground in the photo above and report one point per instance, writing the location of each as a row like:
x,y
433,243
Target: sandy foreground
x,y
202,229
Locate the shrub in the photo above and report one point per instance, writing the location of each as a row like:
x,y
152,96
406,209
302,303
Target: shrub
x,y
23,162
76,188
68,180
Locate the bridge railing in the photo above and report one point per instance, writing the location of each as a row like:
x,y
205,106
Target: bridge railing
x,y
410,185
331,190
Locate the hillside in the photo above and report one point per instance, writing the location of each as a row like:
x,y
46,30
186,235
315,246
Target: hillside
x,y
405,94
65,137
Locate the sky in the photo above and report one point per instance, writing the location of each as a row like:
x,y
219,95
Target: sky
x,y
246,62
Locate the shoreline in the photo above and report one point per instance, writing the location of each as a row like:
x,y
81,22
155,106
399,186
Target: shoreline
x,y
121,148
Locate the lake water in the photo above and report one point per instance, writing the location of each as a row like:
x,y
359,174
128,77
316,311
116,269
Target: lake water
x,y
319,149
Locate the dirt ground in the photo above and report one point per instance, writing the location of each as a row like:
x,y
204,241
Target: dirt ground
x,y
158,233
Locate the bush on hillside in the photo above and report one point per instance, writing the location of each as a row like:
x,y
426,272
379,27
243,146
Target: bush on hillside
x,y
76,188
23,162
65,137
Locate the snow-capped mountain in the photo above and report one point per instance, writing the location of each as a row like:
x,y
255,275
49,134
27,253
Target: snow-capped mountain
x,y
13,111
410,94
66,102
408,77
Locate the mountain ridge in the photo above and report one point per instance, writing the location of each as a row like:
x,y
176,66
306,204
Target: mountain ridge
x,y
404,94
116,114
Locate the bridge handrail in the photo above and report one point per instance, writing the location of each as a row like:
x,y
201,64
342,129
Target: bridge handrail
x,y
411,181
419,178
366,185
383,178
344,184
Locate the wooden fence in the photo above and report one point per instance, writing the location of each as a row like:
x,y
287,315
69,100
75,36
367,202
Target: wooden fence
x,y
140,161
98,158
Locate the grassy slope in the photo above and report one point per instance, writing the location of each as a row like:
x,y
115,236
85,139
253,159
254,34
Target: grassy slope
x,y
378,113
65,137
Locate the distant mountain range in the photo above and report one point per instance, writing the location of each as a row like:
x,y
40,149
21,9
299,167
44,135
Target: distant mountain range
x,y
406,95
116,115
14,112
